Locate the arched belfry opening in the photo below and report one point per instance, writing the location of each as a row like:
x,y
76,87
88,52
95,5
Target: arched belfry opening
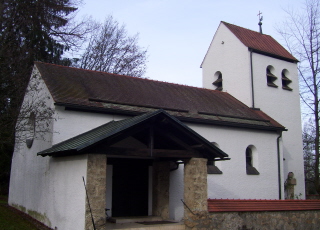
x,y
218,81
271,77
285,80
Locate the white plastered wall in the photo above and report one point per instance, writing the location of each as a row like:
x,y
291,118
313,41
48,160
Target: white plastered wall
x,y
47,188
234,183
284,107
229,56
71,123
232,59
176,191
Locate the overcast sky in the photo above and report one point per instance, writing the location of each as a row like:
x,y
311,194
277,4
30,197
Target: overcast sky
x,y
177,33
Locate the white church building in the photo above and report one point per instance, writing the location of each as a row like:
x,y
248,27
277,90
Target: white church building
x,y
141,145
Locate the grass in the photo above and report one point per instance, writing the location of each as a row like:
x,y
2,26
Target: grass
x,y
11,219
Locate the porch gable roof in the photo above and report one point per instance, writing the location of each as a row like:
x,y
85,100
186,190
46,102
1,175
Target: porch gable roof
x,y
117,130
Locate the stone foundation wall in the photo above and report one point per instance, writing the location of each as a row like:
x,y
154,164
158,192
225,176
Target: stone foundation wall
x,y
280,220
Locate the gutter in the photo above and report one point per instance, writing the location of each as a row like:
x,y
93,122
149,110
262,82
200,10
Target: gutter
x,y
279,165
181,118
274,56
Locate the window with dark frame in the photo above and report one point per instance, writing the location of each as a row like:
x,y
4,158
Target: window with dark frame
x,y
251,170
249,156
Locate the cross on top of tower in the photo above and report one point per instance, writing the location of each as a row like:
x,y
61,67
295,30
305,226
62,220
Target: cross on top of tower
x,y
260,21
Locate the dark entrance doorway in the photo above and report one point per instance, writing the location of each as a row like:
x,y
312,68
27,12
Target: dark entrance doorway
x,y
130,188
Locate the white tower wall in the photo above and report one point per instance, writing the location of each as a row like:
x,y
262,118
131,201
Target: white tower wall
x,y
232,58
284,106
229,56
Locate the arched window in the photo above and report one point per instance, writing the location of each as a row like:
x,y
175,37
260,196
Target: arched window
x,y
249,156
285,80
218,81
271,78
251,170
211,166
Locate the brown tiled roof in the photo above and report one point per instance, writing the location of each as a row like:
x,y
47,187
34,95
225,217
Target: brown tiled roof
x,y
260,42
226,205
105,92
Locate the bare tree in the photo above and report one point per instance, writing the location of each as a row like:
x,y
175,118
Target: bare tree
x,y
301,33
308,137
112,50
35,119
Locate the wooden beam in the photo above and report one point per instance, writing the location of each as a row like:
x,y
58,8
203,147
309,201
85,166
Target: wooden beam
x,y
151,141
157,153
197,146
177,140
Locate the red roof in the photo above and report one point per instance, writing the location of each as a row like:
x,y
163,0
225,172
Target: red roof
x,y
226,205
260,43
86,89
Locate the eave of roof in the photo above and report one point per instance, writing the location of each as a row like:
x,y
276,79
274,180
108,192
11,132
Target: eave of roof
x,y
260,43
198,118
227,205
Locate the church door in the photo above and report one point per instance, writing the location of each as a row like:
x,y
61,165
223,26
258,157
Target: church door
x,y
130,188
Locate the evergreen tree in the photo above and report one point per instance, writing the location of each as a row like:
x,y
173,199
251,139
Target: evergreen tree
x,y
29,31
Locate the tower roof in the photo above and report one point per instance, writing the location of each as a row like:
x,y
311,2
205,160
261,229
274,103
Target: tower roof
x,y
260,43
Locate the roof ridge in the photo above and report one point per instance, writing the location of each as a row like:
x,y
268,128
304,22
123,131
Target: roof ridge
x,y
260,43
246,28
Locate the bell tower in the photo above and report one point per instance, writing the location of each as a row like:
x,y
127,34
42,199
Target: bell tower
x,y
258,71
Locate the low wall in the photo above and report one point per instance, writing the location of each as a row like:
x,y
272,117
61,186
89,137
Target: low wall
x,y
256,215
282,220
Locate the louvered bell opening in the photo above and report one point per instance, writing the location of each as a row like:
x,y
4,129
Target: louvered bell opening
x,y
285,83
218,83
270,80
271,76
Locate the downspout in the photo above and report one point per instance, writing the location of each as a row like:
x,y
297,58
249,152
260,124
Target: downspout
x,y
252,87
279,164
